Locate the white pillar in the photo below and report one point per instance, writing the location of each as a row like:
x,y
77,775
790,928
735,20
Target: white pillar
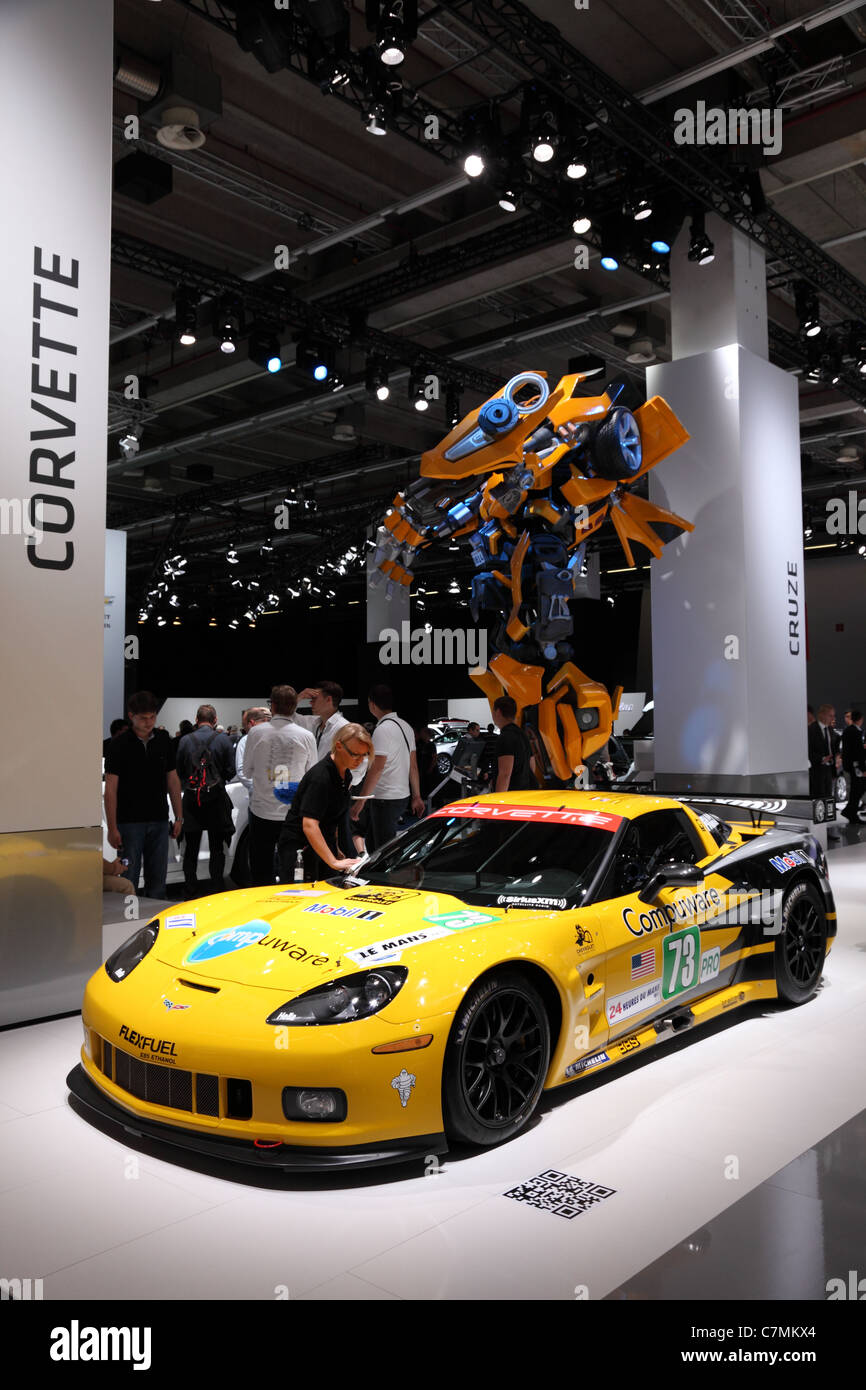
x,y
55,152
728,608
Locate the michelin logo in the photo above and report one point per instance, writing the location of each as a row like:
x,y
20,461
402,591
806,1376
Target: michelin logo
x,y
586,1063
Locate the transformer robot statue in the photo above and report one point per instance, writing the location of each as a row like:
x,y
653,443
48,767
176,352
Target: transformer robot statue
x,y
527,478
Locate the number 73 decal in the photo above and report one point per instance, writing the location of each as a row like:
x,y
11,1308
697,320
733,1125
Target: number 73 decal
x,y
683,965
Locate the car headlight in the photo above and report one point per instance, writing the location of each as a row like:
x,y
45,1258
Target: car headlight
x,y
345,1000
132,952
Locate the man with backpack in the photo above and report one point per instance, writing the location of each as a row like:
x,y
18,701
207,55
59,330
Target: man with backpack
x,y
205,762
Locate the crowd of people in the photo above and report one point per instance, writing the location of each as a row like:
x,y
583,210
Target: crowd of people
x,y
833,751
323,790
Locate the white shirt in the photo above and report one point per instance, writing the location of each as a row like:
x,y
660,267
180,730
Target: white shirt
x,y
239,763
325,739
395,739
278,751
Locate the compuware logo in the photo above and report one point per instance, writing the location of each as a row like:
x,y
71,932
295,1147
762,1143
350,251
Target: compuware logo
x,y
230,939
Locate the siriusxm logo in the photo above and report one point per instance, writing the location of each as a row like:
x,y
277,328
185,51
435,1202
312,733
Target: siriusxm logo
x,y
230,939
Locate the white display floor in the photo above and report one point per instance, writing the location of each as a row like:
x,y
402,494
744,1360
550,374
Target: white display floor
x,y
681,1137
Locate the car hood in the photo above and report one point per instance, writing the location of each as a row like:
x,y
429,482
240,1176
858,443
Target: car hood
x,y
297,938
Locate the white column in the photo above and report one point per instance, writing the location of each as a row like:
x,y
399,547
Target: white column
x,y
728,608
55,152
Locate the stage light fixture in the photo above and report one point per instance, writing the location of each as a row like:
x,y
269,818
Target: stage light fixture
x,y
416,393
232,554
185,317
316,360
582,224
227,330
509,199
609,262
808,310
661,246
701,249
130,441
643,208
575,168
543,143
264,349
861,359
375,120
474,165
390,47
377,379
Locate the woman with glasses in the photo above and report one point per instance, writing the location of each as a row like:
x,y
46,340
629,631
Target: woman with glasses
x,y
316,818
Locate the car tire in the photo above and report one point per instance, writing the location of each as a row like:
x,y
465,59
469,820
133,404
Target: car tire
x,y
496,1061
240,870
616,452
801,944
443,764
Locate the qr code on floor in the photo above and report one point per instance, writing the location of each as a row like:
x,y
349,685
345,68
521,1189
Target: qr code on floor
x,y
560,1193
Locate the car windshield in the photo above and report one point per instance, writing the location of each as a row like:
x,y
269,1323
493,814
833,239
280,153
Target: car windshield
x,y
528,863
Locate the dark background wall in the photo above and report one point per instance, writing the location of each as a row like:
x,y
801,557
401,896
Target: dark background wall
x,y
302,647
836,618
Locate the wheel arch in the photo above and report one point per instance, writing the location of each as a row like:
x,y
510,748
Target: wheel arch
x,y
537,976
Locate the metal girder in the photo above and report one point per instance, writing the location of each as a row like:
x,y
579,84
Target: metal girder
x,y
410,115
208,168
623,119
275,303
288,475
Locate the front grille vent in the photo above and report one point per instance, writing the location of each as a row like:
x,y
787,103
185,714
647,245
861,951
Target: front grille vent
x,y
173,1088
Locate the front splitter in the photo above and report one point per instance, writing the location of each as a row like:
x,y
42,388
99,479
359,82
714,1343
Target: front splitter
x,y
290,1158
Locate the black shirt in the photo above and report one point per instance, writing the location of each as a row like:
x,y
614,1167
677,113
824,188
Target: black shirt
x,y
322,795
513,743
142,770
191,746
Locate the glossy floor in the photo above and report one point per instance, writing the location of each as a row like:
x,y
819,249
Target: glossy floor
x,y
728,1164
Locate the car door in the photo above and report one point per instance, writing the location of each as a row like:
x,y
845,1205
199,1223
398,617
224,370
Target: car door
x,y
664,952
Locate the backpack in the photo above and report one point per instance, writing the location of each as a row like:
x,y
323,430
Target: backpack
x,y
205,780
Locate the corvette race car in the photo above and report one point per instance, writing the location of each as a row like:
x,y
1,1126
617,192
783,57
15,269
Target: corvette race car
x,y
501,947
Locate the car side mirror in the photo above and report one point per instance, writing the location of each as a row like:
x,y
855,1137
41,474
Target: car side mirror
x,y
670,876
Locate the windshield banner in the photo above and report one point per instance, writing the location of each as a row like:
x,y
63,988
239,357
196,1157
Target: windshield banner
x,y
489,810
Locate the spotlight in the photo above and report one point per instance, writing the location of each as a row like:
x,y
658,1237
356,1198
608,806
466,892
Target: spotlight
x,y
161,621
861,358
375,119
130,442
543,143
701,249
377,379
575,168
185,317
227,328
808,310
661,246
582,224
390,48
416,393
317,360
642,209
232,555
474,165
266,547
509,199
234,623
264,349
609,263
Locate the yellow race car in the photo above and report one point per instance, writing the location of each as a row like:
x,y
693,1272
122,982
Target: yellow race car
x,y
501,947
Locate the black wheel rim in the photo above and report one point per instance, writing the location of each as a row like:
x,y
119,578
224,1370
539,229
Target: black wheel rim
x,y
804,942
503,1058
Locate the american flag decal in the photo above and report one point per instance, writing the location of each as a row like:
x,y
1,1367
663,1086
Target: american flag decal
x,y
643,964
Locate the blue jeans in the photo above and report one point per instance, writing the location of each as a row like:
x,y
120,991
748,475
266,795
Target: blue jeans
x,y
147,840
